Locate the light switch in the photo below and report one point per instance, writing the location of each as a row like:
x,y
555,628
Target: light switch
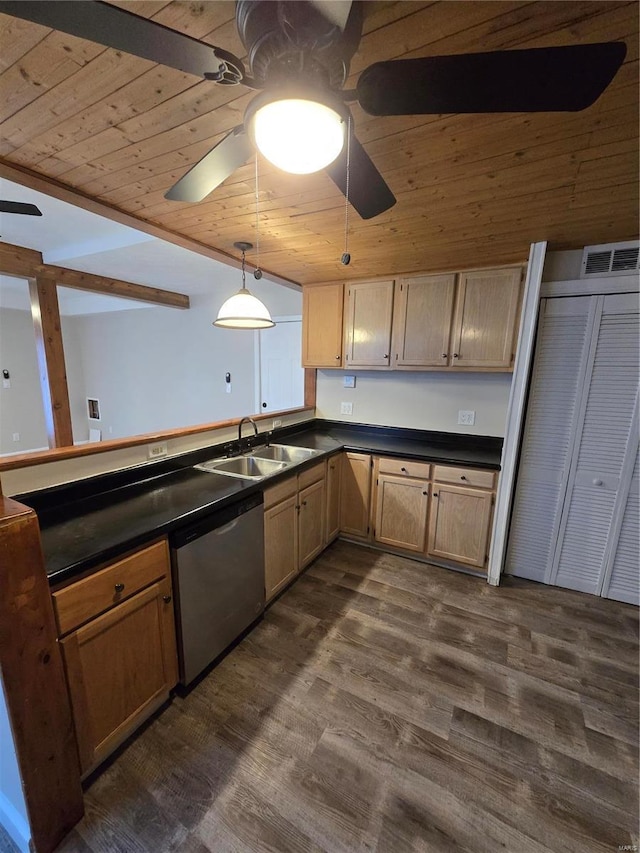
x,y
349,382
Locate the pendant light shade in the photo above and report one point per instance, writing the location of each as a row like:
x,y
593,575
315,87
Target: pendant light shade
x,y
243,310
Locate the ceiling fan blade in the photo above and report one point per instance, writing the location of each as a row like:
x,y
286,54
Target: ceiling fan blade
x,y
335,11
19,207
547,79
214,168
122,30
368,193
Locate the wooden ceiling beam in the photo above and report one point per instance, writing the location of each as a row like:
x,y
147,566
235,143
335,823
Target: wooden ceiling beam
x,y
27,178
27,263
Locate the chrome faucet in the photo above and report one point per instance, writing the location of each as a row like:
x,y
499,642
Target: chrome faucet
x,y
255,431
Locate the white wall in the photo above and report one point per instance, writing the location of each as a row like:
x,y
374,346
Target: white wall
x,y
21,408
13,811
427,401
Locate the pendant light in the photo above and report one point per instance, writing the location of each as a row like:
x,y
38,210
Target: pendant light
x,y
243,310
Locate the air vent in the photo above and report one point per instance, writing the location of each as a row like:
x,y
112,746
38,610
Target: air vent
x,y
611,259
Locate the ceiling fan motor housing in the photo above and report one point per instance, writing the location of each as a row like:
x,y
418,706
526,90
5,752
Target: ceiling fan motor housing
x,y
293,40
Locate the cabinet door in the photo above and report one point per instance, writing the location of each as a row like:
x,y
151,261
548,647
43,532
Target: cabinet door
x,y
280,545
310,523
332,520
355,494
423,313
459,524
401,512
368,324
322,308
120,667
486,318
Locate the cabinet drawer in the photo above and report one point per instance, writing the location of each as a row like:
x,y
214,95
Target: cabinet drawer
x,y
404,467
280,491
96,593
464,476
311,475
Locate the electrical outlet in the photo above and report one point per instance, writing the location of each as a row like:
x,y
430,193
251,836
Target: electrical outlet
x,y
16,436
346,408
349,382
155,451
277,422
467,417
6,383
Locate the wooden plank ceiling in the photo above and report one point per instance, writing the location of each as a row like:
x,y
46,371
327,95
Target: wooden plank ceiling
x,y
472,190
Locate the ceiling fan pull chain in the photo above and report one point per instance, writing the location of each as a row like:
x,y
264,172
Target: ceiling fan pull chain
x,y
346,257
257,273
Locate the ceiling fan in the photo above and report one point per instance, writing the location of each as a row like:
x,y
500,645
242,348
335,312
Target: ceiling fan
x,y
299,54
19,207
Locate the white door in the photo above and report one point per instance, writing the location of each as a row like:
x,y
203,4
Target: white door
x,y
281,378
603,443
562,346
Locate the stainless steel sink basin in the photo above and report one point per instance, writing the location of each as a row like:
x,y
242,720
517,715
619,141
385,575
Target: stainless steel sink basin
x,y
284,453
245,467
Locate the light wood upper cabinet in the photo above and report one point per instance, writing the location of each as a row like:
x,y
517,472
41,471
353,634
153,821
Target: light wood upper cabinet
x,y
422,321
120,665
367,332
486,317
322,307
355,494
459,524
401,511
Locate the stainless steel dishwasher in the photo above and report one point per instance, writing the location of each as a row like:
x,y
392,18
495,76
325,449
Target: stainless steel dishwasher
x,y
218,569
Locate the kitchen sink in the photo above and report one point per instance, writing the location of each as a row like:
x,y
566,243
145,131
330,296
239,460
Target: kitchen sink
x,y
260,463
245,467
284,453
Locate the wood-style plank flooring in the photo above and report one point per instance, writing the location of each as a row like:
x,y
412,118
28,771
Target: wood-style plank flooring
x,y
385,705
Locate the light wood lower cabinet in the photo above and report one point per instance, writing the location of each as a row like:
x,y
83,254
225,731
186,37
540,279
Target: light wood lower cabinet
x,y
401,512
459,524
120,663
280,544
311,511
355,494
293,526
333,483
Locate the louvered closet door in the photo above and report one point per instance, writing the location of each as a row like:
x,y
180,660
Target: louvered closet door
x,y
623,582
603,443
562,346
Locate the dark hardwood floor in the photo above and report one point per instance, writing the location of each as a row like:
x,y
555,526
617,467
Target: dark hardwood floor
x,y
385,705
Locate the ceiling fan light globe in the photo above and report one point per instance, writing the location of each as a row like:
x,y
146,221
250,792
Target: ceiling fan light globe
x,y
243,310
298,135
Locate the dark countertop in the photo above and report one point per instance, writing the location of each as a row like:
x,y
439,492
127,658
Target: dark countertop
x,y
92,521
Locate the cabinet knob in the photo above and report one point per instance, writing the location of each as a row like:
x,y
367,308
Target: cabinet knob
x,y
462,477
404,470
166,599
337,358
119,587
426,493
455,355
304,503
386,355
435,494
444,354
597,482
